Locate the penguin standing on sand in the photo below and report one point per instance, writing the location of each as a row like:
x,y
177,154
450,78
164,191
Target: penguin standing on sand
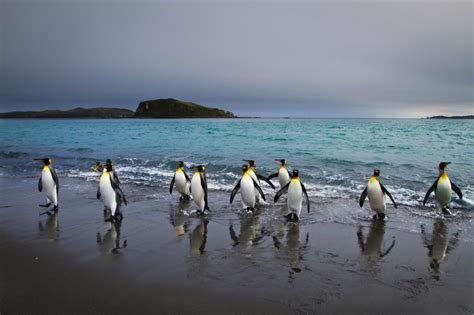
x,y
247,186
376,193
49,184
295,190
282,174
257,177
111,193
199,189
182,181
443,187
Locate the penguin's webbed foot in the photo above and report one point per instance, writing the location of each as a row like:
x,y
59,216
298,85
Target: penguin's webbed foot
x,y
46,205
446,211
292,217
248,210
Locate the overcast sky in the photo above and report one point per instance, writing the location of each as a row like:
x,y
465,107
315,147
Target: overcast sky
x,y
321,59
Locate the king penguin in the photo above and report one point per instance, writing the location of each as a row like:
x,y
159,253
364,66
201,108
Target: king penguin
x,y
199,189
247,186
257,177
182,182
49,184
113,173
282,174
443,187
376,193
111,193
295,190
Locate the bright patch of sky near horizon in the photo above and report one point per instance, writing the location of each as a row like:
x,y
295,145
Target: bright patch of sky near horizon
x,y
322,59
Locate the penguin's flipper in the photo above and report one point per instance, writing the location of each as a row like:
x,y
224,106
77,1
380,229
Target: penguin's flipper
x,y
281,192
272,176
305,194
40,185
118,190
234,191
260,191
204,187
98,192
388,194
55,178
432,188
172,184
362,197
456,190
187,178
263,178
116,178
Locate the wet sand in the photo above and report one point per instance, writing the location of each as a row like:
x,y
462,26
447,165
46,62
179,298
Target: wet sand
x,y
159,260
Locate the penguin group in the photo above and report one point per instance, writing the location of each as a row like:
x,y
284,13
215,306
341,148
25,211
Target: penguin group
x,y
110,189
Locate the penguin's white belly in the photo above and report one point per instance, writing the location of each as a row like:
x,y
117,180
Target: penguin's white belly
x,y
443,192
107,193
295,199
197,191
49,186
182,184
376,197
283,177
247,192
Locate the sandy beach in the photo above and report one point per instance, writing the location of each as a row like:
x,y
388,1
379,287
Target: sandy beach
x,y
159,260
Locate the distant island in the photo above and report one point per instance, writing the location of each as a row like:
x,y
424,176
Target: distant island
x,y
172,108
451,117
160,108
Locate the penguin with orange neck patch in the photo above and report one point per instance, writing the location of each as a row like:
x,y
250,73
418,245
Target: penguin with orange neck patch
x,y
443,188
182,182
49,185
376,193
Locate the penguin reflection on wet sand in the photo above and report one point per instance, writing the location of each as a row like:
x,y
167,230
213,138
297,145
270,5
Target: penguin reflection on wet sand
x,y
110,242
248,187
283,174
371,248
296,190
439,245
443,188
198,238
182,182
199,189
49,184
293,246
250,232
50,228
257,177
376,193
111,194
179,219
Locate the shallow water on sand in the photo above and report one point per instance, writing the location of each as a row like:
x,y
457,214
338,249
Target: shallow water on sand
x,y
160,258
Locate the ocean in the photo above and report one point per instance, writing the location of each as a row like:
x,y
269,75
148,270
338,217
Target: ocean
x,y
335,156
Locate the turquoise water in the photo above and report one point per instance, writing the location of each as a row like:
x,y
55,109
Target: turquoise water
x,y
335,156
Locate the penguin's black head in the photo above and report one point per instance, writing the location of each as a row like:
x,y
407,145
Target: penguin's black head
x,y
181,164
376,172
295,173
201,168
442,165
46,161
98,163
282,162
245,168
251,163
109,167
109,161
